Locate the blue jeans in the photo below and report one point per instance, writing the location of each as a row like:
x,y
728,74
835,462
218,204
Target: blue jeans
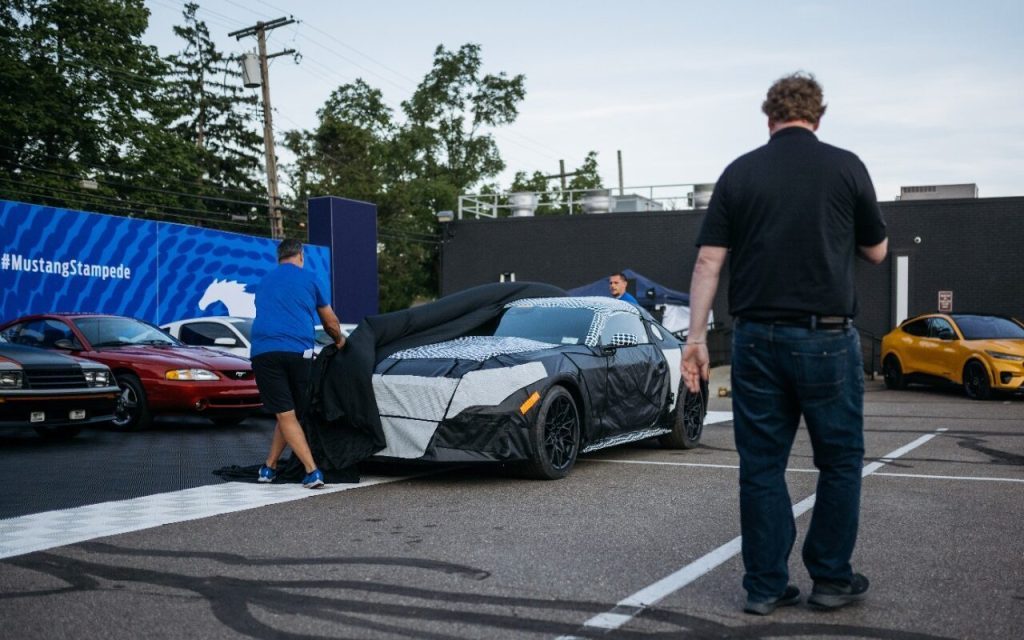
x,y
778,374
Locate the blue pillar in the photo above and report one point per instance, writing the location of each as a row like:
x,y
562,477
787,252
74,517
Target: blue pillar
x,y
349,229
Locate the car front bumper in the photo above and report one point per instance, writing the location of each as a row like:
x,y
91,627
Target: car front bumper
x,y
215,396
49,408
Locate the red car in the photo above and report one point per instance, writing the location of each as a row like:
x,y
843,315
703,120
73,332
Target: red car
x,y
155,372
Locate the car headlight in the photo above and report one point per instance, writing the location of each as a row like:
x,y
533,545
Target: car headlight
x,y
191,374
10,380
1005,356
97,378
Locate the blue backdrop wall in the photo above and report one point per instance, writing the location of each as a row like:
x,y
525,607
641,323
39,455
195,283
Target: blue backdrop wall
x,y
66,260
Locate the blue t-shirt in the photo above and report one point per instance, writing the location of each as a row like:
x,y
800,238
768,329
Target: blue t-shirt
x,y
628,297
286,302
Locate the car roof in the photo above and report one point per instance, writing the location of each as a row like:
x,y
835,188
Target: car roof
x,y
594,303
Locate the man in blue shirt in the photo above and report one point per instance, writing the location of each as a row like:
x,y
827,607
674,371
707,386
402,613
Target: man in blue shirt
x,y
282,353
617,284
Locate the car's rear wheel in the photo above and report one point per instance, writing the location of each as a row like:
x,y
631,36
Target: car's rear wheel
x,y
57,433
554,436
893,373
976,382
132,410
687,419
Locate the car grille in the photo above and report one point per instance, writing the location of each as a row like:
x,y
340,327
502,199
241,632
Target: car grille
x,y
238,374
54,379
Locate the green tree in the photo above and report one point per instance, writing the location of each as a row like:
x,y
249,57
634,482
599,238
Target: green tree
x,y
212,110
78,87
88,113
412,168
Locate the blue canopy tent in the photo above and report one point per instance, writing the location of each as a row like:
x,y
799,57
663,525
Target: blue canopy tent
x,y
675,305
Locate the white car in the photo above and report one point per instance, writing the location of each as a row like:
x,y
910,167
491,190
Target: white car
x,y
231,334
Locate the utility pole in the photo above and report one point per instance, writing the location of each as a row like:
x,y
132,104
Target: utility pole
x,y
621,190
260,31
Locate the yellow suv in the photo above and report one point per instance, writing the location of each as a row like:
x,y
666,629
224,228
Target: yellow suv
x,y
981,352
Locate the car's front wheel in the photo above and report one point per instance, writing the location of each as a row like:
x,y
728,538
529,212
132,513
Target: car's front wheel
x,y
687,420
554,436
132,410
976,383
893,373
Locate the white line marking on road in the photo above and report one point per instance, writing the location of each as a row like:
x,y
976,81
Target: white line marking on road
x,y
49,529
654,593
934,477
923,476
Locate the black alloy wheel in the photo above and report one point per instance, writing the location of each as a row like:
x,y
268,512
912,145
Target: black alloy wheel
x,y
687,420
976,382
132,410
893,373
554,436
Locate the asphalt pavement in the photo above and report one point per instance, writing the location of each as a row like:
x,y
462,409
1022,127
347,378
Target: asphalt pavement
x,y
638,542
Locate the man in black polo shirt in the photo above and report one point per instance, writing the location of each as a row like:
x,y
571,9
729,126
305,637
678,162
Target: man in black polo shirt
x,y
790,217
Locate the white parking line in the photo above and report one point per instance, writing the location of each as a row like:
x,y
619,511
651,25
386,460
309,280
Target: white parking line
x,y
922,476
50,529
633,605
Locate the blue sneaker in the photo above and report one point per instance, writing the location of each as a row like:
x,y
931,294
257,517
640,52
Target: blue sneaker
x,y
267,474
313,480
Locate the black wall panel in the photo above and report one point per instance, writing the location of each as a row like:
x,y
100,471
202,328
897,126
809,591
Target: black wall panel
x,y
974,248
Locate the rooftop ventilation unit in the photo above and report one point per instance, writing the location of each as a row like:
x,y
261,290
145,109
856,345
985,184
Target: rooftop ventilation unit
x,y
939,192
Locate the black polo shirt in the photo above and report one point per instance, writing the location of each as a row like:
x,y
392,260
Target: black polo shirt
x,y
792,214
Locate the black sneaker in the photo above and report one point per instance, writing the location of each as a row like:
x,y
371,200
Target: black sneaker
x,y
788,598
832,595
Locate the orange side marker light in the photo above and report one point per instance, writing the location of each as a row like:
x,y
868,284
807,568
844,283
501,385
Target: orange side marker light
x,y
532,400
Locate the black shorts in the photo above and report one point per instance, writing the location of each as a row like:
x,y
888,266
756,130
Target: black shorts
x,y
283,380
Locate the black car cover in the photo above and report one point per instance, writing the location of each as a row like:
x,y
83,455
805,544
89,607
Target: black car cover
x,y
342,424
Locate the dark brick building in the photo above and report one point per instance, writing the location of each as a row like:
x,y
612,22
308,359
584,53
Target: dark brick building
x,y
973,248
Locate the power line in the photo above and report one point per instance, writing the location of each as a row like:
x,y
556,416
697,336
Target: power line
x,y
96,166
33,169
132,211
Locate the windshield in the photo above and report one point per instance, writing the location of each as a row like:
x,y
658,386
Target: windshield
x,y
989,328
244,327
118,332
546,324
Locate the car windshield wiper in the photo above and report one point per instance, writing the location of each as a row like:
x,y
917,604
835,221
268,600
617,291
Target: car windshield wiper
x,y
156,342
111,343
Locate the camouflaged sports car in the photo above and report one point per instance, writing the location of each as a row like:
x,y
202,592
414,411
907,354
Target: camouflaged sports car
x,y
543,381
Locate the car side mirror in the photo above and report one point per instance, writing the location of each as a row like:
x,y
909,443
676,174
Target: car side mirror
x,y
225,342
623,340
64,343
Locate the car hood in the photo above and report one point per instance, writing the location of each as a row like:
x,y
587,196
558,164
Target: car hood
x,y
192,357
35,357
476,348
1015,347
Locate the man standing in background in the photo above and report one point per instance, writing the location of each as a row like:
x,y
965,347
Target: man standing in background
x,y
790,216
283,336
617,284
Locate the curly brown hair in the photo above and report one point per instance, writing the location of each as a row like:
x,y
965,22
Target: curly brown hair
x,y
797,96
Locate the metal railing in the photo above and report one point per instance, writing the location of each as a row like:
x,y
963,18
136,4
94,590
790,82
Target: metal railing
x,y
659,197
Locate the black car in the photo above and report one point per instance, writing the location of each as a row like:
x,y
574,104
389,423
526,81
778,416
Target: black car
x,y
490,376
53,393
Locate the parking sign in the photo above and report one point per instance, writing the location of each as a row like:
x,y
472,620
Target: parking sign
x,y
945,302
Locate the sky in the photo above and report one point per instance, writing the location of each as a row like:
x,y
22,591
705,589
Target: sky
x,y
925,92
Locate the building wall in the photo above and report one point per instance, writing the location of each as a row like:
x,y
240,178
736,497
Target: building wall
x,y
972,247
